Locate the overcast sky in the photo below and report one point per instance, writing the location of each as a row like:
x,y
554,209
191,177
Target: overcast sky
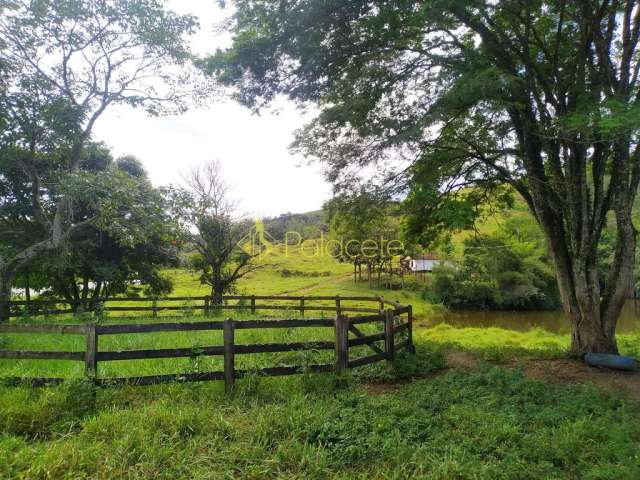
x,y
267,178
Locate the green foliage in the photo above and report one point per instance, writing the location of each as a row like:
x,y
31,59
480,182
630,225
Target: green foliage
x,y
364,227
222,257
285,272
497,273
435,97
300,226
128,235
429,358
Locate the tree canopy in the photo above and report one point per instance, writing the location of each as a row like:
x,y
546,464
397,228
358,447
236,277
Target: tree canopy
x,y
540,95
64,64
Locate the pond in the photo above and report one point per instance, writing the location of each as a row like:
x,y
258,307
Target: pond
x,y
553,321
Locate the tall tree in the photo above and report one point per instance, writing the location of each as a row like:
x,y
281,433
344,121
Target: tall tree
x,y
542,95
68,62
97,263
224,244
364,230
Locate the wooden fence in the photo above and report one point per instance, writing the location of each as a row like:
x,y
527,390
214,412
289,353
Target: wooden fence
x,y
176,304
395,318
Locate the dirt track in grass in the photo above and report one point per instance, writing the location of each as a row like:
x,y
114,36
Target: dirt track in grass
x,y
559,371
565,371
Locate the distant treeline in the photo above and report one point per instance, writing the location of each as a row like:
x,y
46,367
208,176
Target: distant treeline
x,y
307,225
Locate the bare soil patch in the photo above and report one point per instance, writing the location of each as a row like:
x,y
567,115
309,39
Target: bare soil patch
x,y
561,371
565,371
570,371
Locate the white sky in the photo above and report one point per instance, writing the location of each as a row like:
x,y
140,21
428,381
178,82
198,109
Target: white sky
x,y
267,179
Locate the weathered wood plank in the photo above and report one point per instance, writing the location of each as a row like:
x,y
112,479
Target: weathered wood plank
x,y
215,325
283,347
41,355
229,355
71,329
154,379
32,381
400,328
118,355
36,303
44,312
155,308
359,362
368,340
90,354
158,327
206,376
159,353
360,319
202,298
307,322
389,341
315,308
298,297
341,343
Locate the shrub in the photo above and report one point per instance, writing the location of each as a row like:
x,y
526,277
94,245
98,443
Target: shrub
x,y
495,273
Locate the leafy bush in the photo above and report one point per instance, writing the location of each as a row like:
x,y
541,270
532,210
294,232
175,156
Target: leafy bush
x,y
286,273
497,273
428,358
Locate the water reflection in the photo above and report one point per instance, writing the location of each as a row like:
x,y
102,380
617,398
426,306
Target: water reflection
x,y
553,321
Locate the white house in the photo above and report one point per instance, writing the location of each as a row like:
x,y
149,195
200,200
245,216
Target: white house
x,y
423,263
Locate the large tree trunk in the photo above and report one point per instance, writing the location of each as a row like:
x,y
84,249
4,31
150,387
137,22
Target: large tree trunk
x,y
27,290
6,282
217,296
592,314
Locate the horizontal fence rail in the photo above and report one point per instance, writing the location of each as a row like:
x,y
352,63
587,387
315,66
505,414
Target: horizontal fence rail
x,y
251,303
347,334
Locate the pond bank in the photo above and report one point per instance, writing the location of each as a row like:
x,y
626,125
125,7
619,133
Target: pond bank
x,y
522,321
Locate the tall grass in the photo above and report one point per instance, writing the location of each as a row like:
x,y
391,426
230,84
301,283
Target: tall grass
x,y
487,424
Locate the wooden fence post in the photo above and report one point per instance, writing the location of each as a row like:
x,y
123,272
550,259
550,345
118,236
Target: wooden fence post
x,y
229,353
381,300
389,340
410,347
253,304
342,343
302,306
154,307
338,306
90,354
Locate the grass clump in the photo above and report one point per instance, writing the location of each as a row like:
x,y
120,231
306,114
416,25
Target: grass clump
x,y
498,344
429,358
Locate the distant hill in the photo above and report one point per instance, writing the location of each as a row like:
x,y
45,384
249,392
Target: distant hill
x,y
308,225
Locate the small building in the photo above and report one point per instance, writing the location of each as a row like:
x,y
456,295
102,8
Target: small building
x,y
425,262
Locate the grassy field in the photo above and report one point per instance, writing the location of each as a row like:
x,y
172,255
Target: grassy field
x,y
423,418
304,270
487,423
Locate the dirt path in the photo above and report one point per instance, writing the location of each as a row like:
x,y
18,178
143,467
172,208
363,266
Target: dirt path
x,y
564,371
